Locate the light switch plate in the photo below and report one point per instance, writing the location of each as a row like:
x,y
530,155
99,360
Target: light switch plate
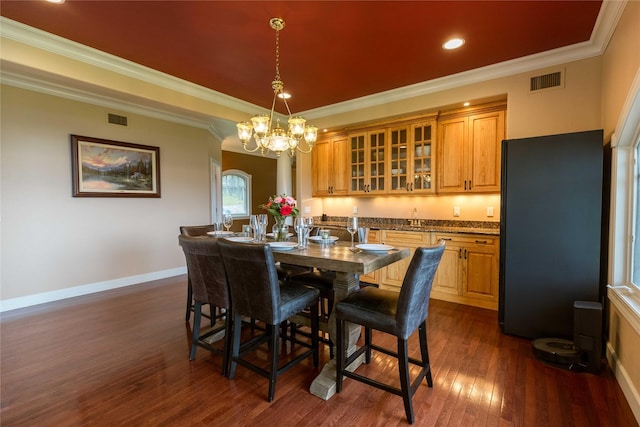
x,y
490,211
307,209
456,211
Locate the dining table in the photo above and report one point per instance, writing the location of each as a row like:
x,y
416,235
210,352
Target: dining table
x,y
348,263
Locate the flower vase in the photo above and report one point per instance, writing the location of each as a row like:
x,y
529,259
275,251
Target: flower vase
x,y
280,230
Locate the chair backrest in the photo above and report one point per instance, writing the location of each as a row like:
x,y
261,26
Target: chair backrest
x,y
206,270
413,301
253,280
196,230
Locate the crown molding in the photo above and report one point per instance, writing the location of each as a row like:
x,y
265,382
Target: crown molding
x,y
31,36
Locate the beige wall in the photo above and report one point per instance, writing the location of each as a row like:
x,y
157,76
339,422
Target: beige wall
x,y
621,64
53,241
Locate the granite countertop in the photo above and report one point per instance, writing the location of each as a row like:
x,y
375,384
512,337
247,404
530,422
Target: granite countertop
x,y
421,225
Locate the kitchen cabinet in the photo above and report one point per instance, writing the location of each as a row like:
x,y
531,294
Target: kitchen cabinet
x,y
374,277
329,166
468,271
468,150
368,162
391,276
411,159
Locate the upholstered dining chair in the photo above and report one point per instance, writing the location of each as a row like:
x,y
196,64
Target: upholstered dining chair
x,y
209,283
398,314
257,293
194,231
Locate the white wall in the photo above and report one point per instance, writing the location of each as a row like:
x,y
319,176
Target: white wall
x,y
52,241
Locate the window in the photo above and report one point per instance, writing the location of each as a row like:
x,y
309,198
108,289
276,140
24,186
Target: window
x,y
236,193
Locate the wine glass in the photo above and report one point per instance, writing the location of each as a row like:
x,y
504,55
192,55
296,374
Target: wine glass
x,y
308,222
255,226
227,221
352,227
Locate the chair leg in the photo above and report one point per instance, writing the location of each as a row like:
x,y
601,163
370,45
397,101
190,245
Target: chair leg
x,y
189,300
424,351
340,356
273,374
367,343
228,330
235,346
405,381
196,330
315,331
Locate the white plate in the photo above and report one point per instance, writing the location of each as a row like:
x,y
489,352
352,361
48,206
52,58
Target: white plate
x,y
283,246
220,233
240,239
372,247
271,235
318,239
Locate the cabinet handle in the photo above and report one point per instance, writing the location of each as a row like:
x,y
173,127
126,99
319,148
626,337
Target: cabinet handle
x,y
469,185
465,185
484,242
460,253
445,238
465,254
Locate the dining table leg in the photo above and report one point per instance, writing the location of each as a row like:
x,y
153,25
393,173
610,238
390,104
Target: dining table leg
x,y
324,385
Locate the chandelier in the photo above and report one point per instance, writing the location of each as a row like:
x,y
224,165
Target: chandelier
x,y
275,139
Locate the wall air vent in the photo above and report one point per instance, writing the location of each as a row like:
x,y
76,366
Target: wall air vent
x,y
117,120
546,81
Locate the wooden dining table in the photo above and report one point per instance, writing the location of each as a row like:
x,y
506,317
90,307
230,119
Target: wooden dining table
x,y
348,265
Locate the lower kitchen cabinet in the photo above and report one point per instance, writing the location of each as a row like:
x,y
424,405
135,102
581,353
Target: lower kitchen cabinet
x,y
374,277
391,276
468,271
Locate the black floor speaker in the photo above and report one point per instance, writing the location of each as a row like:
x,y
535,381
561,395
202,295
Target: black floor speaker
x,y
587,333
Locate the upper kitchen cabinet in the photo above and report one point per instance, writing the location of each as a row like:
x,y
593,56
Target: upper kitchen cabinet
x,y
468,150
329,166
411,158
368,162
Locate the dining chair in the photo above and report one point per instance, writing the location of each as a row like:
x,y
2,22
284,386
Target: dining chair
x,y
209,284
257,293
398,314
194,231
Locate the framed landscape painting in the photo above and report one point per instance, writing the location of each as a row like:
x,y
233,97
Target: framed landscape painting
x,y
103,168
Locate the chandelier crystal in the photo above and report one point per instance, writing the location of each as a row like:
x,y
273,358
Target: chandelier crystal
x,y
268,137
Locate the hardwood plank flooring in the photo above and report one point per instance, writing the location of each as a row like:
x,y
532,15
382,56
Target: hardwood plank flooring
x,y
121,358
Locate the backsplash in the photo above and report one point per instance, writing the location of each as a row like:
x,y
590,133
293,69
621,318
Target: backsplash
x,y
404,223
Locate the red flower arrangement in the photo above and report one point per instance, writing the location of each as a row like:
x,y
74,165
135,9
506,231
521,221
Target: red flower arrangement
x,y
281,206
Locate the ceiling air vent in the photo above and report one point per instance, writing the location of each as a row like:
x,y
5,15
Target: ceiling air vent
x,y
546,81
117,120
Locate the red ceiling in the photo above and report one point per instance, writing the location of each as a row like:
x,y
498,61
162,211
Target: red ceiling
x,y
330,51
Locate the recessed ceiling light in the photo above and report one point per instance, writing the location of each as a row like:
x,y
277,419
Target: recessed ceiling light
x,y
56,1
453,44
466,104
284,95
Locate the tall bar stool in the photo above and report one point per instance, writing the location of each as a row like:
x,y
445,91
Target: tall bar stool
x,y
257,293
209,284
398,314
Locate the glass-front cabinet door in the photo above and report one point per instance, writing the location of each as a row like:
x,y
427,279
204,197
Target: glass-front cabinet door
x,y
368,162
399,150
423,153
358,163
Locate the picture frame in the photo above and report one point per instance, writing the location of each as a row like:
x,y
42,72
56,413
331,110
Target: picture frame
x,y
104,168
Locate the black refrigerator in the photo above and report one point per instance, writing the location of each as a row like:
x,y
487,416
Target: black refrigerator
x,y
550,231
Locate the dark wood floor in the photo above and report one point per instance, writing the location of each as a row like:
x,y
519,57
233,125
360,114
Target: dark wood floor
x,y
121,357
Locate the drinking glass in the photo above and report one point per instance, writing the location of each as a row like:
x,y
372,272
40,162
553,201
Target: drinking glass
x,y
352,227
255,226
308,222
300,227
263,220
227,221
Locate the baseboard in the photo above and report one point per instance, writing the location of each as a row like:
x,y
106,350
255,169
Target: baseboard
x,y
627,386
76,291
